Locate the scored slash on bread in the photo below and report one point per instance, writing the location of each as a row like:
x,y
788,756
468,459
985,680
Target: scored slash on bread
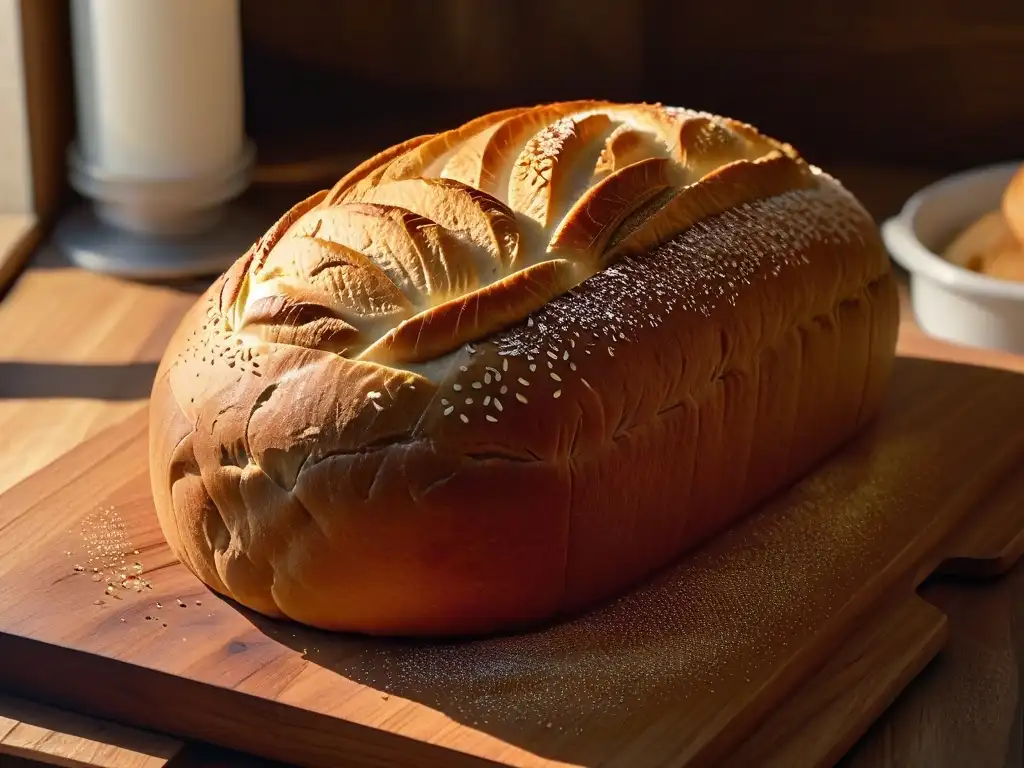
x,y
506,143
424,159
420,256
456,217
627,145
720,190
707,145
283,320
306,271
592,221
480,219
484,312
547,171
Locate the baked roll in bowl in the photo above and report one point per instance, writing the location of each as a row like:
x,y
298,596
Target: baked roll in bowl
x,y
507,372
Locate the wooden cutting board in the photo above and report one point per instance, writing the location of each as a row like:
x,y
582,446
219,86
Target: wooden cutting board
x,y
777,644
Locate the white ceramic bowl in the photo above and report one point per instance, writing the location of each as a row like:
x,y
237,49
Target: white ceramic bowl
x,y
950,302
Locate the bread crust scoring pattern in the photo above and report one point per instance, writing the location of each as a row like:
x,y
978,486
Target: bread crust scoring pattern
x,y
460,234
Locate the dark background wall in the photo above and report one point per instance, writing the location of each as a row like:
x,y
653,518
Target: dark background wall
x,y
936,83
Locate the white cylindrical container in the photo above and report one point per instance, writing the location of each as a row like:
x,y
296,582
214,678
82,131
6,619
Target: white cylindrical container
x,y
161,144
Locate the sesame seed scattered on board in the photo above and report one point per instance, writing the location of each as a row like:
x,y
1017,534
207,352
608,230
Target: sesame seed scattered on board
x,y
521,397
464,417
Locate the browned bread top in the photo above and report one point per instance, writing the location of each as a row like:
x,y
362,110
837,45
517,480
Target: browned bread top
x,y
497,216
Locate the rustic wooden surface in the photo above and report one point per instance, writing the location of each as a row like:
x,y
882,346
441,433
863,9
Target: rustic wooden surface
x,y
32,730
58,323
32,734
17,241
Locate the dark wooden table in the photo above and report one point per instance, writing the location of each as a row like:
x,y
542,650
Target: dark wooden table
x,y
77,354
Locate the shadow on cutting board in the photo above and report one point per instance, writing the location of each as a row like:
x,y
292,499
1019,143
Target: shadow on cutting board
x,y
93,381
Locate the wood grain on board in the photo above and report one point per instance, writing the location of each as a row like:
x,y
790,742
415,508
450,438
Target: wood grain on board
x,y
19,234
31,730
821,721
683,669
965,709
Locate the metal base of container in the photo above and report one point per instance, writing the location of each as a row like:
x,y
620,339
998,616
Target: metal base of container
x,y
93,243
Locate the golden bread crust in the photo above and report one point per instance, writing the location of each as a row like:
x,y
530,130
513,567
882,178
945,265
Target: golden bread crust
x,y
508,371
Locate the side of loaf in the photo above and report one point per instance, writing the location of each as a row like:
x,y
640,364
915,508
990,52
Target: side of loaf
x,y
506,372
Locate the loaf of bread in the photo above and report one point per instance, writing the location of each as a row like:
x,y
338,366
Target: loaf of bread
x,y
503,373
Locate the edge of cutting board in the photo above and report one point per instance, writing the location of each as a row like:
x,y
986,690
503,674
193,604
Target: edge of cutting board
x,y
826,716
